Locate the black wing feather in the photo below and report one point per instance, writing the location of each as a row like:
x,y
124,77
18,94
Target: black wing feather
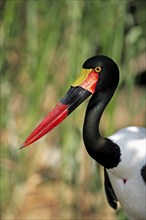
x,y
143,173
110,194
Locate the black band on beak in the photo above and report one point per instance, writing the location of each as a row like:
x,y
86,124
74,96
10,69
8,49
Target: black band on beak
x,y
74,97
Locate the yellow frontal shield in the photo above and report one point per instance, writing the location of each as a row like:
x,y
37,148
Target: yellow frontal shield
x,y
82,76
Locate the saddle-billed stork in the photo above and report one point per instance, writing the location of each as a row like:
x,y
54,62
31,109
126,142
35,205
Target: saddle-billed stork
x,y
123,154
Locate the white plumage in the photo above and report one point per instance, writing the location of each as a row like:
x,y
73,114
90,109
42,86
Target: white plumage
x,y
126,179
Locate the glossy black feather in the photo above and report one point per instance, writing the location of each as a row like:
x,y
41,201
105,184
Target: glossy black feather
x,y
143,173
110,194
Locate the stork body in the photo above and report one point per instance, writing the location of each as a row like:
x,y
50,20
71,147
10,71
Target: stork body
x,y
128,178
123,155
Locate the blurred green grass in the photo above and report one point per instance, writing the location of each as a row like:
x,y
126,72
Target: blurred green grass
x,y
43,45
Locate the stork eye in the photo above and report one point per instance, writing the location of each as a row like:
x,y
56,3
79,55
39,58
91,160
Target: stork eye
x,y
98,69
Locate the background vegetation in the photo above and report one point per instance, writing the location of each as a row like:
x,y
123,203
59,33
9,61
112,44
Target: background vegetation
x,y
43,45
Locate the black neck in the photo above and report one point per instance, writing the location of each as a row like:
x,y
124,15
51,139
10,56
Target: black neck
x,y
103,150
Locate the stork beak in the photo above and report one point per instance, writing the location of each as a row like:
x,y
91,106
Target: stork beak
x,y
80,90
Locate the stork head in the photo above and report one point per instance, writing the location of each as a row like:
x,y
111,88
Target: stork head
x,y
97,74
